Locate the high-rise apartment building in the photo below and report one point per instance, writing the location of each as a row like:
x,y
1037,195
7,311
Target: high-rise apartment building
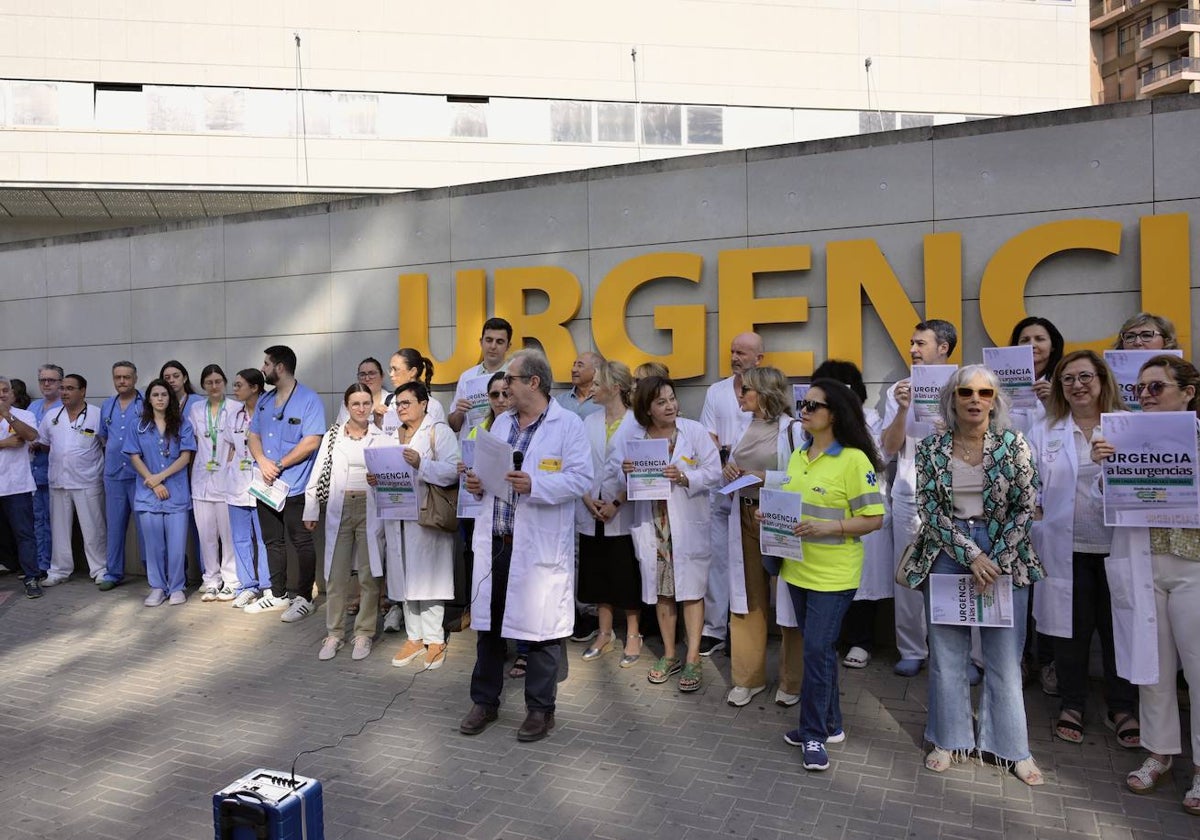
x,y
1144,48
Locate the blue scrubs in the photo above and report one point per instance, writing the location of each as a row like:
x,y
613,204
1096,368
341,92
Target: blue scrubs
x,y
163,522
40,465
281,427
120,481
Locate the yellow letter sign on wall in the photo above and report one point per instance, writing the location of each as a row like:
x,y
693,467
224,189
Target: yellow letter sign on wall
x,y
565,296
470,296
739,311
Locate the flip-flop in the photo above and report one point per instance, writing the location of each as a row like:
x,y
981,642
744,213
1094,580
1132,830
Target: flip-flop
x,y
518,667
1125,725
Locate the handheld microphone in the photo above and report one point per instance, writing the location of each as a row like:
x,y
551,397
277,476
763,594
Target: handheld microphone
x,y
518,460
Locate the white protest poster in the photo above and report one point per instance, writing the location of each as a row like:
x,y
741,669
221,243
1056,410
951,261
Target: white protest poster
x,y
1013,366
1151,480
1125,365
475,391
493,459
954,599
650,458
926,382
468,505
781,513
272,495
799,392
395,488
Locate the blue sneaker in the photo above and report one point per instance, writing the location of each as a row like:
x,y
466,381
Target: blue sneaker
x,y
815,757
794,738
836,737
908,667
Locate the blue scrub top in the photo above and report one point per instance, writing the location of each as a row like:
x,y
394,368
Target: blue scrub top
x,y
142,439
114,425
40,462
281,427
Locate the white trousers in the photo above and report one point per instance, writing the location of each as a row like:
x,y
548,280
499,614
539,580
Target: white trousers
x,y
1177,614
716,595
88,505
217,556
910,603
423,621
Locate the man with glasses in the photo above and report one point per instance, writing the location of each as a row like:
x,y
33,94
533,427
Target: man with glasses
x,y
117,415
284,435
525,544
18,428
72,433
50,379
724,419
932,343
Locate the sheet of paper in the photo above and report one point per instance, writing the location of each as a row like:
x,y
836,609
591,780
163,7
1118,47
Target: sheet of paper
x,y
927,382
396,487
272,495
1125,365
476,392
954,599
1013,366
493,461
650,458
1151,480
740,482
781,513
468,505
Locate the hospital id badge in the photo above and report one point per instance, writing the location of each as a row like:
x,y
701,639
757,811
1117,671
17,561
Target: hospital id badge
x,y
212,466
245,464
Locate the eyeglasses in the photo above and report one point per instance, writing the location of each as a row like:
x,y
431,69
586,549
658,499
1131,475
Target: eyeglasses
x,y
405,403
1152,388
496,395
746,389
509,377
1140,335
810,406
368,374
966,393
48,381
1083,379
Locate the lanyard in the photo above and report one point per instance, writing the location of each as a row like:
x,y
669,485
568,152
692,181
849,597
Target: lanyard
x,y
212,425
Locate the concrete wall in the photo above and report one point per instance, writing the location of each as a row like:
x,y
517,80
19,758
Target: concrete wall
x,y
324,278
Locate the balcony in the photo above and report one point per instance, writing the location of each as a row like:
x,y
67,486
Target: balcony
x,y
1170,30
1106,12
1173,77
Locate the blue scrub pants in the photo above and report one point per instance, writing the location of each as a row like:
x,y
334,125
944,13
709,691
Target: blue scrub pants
x,y
249,548
118,507
164,536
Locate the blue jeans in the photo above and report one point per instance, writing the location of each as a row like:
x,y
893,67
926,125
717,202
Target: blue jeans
x,y
248,547
1002,726
118,507
41,526
819,615
16,513
165,538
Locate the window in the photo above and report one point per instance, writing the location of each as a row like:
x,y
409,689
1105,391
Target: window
x,y
120,107
34,103
224,109
869,121
614,122
661,125
705,125
571,122
172,109
915,120
355,114
468,119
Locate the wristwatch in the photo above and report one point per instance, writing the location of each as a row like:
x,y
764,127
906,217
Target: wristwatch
x,y
279,464
616,503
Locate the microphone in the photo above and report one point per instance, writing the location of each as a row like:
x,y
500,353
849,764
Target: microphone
x,y
518,460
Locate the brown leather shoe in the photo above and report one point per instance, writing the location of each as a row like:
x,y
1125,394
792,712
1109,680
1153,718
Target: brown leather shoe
x,y
537,726
477,719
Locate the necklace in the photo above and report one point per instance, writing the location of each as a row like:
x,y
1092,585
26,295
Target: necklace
x,y
968,453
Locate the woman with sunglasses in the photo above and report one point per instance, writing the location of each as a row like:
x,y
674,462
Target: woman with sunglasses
x,y
1145,331
160,447
1168,560
249,549
420,558
210,509
1073,602
976,494
670,536
835,472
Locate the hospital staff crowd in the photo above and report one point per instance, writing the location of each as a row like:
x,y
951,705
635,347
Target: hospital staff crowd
x,y
1006,496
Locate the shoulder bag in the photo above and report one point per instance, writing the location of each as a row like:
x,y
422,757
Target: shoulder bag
x,y
439,508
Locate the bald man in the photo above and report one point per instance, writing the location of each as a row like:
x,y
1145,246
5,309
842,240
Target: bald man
x,y
726,422
583,373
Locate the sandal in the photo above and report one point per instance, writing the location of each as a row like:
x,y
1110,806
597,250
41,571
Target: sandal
x,y
690,677
1069,727
1191,799
628,659
1146,778
938,760
1129,734
1027,771
662,670
518,667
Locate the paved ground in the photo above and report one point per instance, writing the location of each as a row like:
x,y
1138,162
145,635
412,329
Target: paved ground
x,y
118,721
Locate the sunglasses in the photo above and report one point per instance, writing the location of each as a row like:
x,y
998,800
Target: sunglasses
x,y
497,394
966,393
811,406
1152,388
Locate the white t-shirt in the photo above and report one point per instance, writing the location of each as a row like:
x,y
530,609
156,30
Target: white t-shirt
x,y
16,476
76,451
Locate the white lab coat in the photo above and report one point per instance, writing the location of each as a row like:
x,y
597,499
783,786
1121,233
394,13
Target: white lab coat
x,y
595,430
539,604
339,473
1135,622
688,509
210,485
420,560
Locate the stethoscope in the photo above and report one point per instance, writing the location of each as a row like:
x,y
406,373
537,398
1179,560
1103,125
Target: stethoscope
x,y
164,446
80,424
137,400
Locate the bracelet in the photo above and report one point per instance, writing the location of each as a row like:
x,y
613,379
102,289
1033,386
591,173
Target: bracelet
x,y
842,528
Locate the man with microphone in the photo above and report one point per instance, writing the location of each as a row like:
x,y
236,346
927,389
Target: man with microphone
x,y
523,582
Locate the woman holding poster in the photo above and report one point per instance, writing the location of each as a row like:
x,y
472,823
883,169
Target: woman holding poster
x,y
670,536
340,476
835,473
976,495
420,558
1170,559
1073,602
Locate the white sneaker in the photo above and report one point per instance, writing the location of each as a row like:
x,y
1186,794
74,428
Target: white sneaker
x,y
178,598
739,695
362,648
209,594
225,593
244,599
301,608
782,698
394,620
329,648
156,598
857,657
51,580
267,603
